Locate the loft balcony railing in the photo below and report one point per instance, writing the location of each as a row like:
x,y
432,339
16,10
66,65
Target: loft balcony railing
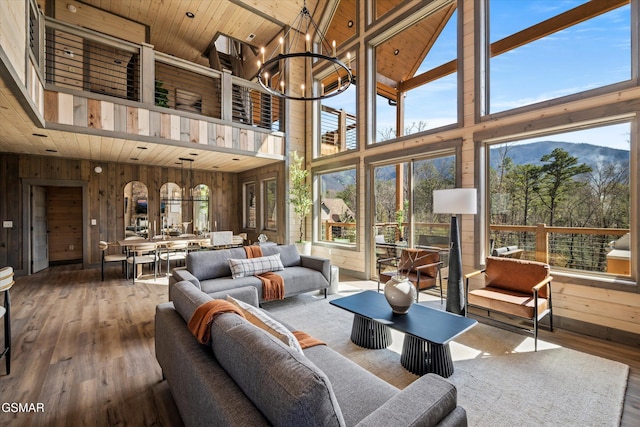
x,y
88,61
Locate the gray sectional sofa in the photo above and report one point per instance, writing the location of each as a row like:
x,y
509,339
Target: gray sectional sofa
x,y
245,376
209,271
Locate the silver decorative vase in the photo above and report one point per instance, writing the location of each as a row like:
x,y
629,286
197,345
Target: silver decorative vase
x,y
400,294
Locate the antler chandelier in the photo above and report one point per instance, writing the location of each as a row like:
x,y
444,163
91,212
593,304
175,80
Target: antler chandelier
x,y
299,56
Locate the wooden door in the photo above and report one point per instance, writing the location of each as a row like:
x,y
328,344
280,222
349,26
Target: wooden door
x,y
39,236
64,223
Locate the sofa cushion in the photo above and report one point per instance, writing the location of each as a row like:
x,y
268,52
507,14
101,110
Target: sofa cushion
x,y
282,383
288,254
253,266
212,264
187,298
265,322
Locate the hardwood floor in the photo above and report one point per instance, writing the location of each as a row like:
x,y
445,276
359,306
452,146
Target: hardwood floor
x,y
84,348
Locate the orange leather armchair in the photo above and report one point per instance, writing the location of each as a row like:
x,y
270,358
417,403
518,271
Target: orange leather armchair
x,y
421,266
516,288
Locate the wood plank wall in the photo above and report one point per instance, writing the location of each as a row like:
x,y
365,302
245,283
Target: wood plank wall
x,y
106,200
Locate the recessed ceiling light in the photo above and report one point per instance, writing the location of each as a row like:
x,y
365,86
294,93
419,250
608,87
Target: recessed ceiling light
x,y
350,24
134,158
235,159
41,135
50,150
193,154
250,37
141,148
190,15
216,167
397,51
117,61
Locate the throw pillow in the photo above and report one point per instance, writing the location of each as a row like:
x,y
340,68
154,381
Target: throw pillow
x,y
263,321
253,266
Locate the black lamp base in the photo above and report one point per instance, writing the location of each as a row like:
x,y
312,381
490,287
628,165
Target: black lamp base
x,y
455,288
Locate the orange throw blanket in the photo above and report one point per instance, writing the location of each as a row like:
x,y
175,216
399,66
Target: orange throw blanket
x,y
307,340
200,322
272,283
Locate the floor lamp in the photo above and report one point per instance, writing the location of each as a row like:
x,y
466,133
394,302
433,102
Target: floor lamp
x,y
455,201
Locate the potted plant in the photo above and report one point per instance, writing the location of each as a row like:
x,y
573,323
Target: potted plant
x,y
300,198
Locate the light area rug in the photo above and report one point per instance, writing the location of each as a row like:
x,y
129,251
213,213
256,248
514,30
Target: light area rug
x,y
501,381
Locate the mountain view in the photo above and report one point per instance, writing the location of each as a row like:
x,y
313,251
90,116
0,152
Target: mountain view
x,y
592,155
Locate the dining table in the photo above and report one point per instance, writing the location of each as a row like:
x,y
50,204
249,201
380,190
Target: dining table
x,y
165,243
161,244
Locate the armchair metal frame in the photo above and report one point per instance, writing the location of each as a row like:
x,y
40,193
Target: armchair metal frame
x,y
535,319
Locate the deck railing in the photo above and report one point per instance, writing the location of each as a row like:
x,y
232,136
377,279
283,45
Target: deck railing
x,y
337,130
575,248
88,61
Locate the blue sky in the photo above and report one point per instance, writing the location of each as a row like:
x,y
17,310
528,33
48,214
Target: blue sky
x,y
591,54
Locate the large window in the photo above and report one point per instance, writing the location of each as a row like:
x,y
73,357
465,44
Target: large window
x,y
535,59
249,208
270,191
338,207
564,198
201,223
403,201
416,74
403,205
338,119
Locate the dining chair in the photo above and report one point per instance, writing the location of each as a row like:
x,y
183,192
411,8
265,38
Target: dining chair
x,y
120,257
6,282
174,251
143,253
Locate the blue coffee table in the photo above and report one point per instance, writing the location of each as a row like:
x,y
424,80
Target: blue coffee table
x,y
427,331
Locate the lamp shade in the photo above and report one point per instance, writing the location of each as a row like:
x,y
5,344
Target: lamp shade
x,y
455,201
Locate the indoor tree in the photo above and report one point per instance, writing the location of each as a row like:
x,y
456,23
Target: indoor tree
x,y
300,191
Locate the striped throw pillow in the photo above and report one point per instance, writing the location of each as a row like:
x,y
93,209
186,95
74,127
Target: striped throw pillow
x,y
253,266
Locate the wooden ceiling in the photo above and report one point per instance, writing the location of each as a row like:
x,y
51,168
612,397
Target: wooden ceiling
x,y
172,32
